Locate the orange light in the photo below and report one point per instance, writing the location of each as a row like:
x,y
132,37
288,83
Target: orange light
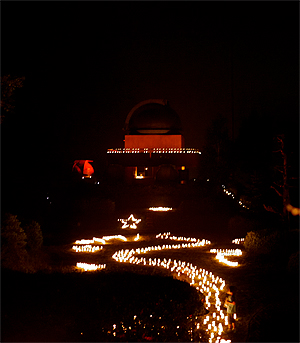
x,y
160,209
182,167
83,167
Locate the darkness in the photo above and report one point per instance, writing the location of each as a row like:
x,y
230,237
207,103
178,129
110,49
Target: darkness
x,y
87,64
78,311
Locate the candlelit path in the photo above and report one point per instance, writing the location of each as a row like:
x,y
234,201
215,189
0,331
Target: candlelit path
x,y
209,284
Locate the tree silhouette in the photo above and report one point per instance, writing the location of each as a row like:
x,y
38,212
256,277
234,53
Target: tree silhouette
x,y
281,184
34,236
216,153
8,87
21,249
254,189
13,242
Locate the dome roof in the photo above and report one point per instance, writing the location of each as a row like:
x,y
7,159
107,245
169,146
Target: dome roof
x,y
153,117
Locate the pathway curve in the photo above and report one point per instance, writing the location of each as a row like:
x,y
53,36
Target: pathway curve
x,y
210,286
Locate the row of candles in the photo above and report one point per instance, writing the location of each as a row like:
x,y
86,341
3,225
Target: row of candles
x,y
102,240
232,195
205,282
238,240
85,245
122,253
160,209
167,235
154,150
227,252
86,248
89,266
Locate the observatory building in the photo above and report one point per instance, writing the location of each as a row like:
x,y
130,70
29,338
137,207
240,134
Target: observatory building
x,y
154,146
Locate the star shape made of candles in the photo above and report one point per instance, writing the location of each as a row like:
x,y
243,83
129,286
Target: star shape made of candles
x,y
130,223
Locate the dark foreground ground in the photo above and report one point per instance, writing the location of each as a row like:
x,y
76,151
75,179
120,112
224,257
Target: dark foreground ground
x,y
62,306
95,307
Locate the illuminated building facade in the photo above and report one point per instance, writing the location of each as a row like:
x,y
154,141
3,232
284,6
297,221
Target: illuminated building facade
x,y
154,145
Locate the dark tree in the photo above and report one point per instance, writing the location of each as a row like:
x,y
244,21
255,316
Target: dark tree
x,y
282,181
216,162
254,189
34,236
8,87
13,244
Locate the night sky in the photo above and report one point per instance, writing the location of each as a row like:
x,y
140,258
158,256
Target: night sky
x,y
87,64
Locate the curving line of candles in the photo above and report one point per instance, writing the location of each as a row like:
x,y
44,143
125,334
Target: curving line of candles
x,y
222,259
238,241
227,252
88,266
91,241
86,248
108,238
232,194
85,245
220,253
167,235
205,282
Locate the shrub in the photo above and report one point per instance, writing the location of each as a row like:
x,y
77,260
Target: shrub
x,y
13,242
262,241
269,323
34,236
21,249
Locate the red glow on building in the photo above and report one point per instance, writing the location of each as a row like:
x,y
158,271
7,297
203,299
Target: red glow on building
x,y
84,168
154,145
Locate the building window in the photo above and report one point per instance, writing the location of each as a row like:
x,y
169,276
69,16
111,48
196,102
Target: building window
x,y
142,172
